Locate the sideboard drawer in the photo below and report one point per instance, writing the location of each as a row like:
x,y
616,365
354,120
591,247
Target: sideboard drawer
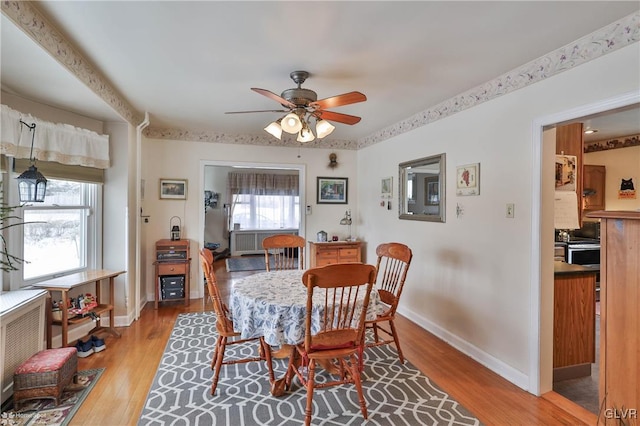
x,y
327,254
348,253
172,269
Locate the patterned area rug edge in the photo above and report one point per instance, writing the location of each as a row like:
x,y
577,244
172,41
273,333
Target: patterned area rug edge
x,y
395,393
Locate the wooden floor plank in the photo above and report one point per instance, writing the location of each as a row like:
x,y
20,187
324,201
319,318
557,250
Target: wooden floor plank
x,y
131,362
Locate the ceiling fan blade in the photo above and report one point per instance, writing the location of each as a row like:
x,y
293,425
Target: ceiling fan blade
x,y
262,110
339,100
338,117
277,98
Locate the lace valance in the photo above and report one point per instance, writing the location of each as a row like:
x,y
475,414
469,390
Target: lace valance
x,y
61,143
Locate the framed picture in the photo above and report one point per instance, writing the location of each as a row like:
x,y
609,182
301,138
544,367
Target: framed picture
x,y
173,189
431,191
468,179
386,188
332,190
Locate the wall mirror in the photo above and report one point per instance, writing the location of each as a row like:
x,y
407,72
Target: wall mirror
x,y
422,189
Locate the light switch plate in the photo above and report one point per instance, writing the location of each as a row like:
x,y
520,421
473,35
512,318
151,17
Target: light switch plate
x,y
511,210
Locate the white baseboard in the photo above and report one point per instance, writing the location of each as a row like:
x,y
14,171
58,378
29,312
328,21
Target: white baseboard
x,y
492,363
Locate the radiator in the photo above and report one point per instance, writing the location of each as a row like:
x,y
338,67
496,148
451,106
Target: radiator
x,y
22,319
250,241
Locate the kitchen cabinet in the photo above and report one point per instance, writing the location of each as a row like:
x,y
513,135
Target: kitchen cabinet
x,y
619,381
331,252
574,320
569,141
593,185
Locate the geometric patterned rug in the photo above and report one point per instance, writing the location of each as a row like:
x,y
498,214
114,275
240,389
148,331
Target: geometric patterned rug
x,y
45,412
396,394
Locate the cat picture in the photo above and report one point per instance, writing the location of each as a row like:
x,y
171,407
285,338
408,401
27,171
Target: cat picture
x,y
627,190
626,184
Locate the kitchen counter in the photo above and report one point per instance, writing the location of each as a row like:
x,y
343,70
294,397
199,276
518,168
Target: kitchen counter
x,y
563,268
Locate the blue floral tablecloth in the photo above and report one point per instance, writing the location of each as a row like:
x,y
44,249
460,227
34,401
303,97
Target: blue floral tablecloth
x,y
273,305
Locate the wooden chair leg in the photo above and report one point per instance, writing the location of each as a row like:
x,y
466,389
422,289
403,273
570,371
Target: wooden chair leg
x,y
355,375
375,332
215,352
220,349
310,386
396,340
266,351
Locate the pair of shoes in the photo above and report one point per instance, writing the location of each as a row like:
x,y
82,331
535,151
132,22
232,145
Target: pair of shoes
x,y
98,344
93,344
84,348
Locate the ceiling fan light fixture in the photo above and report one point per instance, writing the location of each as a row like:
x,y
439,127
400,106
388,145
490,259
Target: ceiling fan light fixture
x,y
275,129
305,135
291,123
324,128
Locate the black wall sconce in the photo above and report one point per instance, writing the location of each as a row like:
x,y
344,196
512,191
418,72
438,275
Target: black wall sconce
x,y
32,185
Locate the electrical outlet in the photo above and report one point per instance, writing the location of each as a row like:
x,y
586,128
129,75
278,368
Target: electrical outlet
x,y
511,210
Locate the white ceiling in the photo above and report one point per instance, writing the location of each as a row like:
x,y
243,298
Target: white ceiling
x,y
187,63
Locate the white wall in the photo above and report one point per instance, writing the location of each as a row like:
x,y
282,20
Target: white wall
x,y
470,280
622,163
181,160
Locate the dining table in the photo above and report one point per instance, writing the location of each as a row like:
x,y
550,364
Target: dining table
x,y
274,305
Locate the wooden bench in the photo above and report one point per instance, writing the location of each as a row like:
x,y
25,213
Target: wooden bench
x,y
45,375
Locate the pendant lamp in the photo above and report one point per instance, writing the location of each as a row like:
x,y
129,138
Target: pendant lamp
x,y
32,185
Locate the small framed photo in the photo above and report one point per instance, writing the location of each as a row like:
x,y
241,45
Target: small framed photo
x,y
386,187
468,179
173,189
332,190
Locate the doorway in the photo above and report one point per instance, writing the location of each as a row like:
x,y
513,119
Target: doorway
x,y
543,231
215,225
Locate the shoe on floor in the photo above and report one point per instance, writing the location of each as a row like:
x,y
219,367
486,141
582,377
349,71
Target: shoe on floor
x,y
84,348
98,344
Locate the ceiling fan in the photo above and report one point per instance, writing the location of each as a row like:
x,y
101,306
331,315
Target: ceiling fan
x,y
303,105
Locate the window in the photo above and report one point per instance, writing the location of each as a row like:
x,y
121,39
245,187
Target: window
x,y
60,235
266,211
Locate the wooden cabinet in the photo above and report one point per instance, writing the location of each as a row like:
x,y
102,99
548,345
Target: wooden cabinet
x,y
328,253
173,269
619,314
569,141
593,185
574,320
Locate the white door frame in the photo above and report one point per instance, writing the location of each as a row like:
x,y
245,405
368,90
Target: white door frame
x,y
301,168
541,333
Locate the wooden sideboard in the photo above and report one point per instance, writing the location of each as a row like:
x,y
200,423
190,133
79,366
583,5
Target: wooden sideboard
x,y
331,252
619,389
172,260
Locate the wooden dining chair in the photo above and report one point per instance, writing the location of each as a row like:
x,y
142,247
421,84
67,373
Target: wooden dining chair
x,y
224,326
280,252
345,289
392,266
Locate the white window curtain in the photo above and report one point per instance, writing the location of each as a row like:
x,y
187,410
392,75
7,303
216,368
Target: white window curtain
x,y
258,184
62,143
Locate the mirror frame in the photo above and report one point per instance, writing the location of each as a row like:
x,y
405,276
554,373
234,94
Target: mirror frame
x,y
403,201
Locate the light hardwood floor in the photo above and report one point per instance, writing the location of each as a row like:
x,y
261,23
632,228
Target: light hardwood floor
x,y
131,363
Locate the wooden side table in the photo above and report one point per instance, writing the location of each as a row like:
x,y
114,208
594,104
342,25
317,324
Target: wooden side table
x,y
65,284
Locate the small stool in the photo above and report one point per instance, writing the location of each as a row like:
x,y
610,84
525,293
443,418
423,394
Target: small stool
x,y
45,375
